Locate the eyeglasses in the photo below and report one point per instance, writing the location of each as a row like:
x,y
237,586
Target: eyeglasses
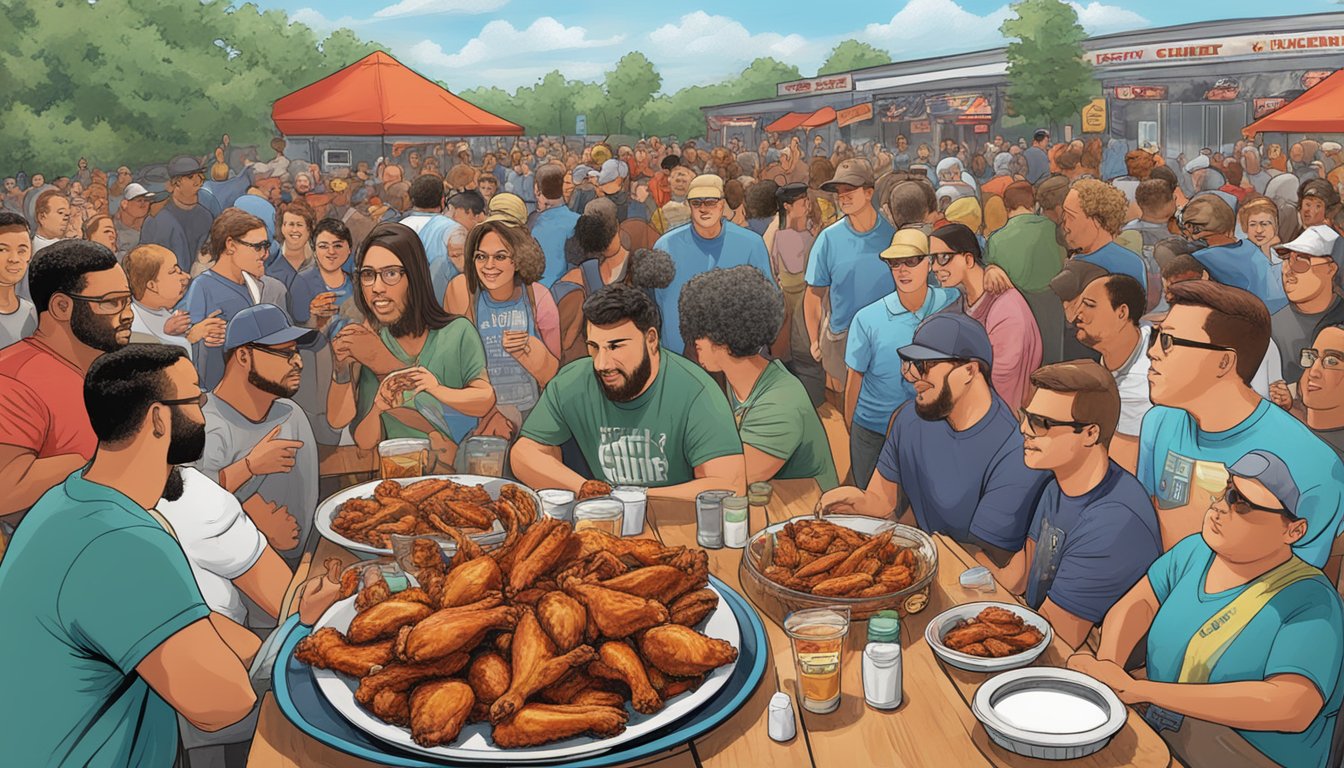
x,y
1241,505
704,202
921,367
1039,425
1168,341
907,262
390,275
943,258
485,258
200,400
288,354
1302,262
109,304
264,245
1330,359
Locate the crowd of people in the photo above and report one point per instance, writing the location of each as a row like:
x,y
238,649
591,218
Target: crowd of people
x,y
1116,377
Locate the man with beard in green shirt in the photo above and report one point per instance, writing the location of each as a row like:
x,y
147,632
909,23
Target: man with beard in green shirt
x,y
640,414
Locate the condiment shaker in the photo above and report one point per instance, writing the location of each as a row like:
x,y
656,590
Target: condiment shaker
x,y
882,675
780,722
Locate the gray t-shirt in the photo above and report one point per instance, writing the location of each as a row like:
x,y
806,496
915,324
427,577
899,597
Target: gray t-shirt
x,y
229,436
1333,438
18,324
1293,330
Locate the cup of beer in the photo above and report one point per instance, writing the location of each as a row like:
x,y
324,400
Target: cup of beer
x,y
818,636
403,457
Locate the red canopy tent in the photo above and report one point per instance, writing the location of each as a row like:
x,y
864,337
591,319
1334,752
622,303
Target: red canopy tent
x,y
380,96
823,116
787,122
1319,110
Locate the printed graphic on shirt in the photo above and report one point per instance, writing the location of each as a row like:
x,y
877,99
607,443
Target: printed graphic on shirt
x,y
512,383
1045,565
633,456
1189,482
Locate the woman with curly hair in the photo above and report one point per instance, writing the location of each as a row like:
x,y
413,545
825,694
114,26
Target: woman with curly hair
x,y
1259,218
516,317
730,316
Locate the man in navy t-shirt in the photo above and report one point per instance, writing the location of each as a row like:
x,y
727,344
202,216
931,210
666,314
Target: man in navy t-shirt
x,y
956,451
1095,531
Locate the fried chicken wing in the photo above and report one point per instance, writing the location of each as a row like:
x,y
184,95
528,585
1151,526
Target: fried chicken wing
x,y
385,619
656,582
683,652
1028,638
470,582
522,503
375,589
531,566
392,509
466,547
618,661
785,552
643,551
822,566
966,635
439,709
537,724
417,492
616,614
564,620
392,707
461,513
840,586
489,677
997,648
403,677
530,539
451,630
388,489
692,608
999,615
856,557
535,666
591,489
329,649
669,687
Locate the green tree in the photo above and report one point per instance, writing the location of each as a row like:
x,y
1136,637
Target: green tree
x,y
852,54
630,86
1049,81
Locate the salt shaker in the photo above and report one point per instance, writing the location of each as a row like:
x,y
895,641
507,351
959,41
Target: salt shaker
x,y
882,675
735,525
780,722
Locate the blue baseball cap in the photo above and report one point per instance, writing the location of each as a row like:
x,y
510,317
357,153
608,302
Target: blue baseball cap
x,y
949,335
1270,471
264,324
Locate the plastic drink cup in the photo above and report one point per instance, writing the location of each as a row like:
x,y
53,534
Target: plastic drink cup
x,y
818,636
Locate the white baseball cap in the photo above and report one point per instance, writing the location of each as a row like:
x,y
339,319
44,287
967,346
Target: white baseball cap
x,y
136,191
1316,240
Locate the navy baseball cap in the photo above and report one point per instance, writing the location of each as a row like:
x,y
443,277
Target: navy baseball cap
x,y
948,335
1270,471
264,324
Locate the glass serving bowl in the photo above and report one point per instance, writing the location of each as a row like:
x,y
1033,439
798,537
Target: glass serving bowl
x,y
777,601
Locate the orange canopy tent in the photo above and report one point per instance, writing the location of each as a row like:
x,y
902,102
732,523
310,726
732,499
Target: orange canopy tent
x,y
380,96
823,116
1319,110
787,122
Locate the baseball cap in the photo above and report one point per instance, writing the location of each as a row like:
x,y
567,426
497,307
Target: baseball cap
x,y
136,191
790,192
1269,470
1317,240
1331,146
945,336
612,170
184,165
854,172
1198,164
705,186
508,208
905,243
264,324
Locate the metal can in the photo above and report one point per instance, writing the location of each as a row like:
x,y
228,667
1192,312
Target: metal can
x,y
709,518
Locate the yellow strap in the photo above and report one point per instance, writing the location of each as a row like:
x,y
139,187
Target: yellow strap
x,y
1216,635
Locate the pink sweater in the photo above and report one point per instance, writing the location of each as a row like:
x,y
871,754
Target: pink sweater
x,y
1016,340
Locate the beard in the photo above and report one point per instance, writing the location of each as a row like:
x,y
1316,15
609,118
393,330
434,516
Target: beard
x,y
96,331
173,487
633,384
939,409
1085,338
186,443
276,388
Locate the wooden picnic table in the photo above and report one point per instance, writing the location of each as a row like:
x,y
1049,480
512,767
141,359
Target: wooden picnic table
x,y
933,727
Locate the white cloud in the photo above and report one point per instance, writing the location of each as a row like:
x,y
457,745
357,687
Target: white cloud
x,y
320,23
701,48
434,7
511,53
1098,18
931,27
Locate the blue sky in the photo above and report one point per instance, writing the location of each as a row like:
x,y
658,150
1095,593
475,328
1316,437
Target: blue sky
x,y
507,43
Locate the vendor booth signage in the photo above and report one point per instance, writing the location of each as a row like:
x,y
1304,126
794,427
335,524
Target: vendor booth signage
x,y
859,113
829,84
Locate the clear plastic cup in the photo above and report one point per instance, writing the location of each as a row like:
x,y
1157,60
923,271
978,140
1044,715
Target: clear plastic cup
x,y
603,514
481,455
636,501
818,636
557,503
403,457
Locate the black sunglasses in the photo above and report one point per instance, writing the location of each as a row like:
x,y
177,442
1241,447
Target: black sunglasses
x,y
1237,501
264,245
1039,424
943,258
1168,341
197,400
288,354
923,366
909,262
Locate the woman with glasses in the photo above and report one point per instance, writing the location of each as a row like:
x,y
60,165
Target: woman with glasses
x,y
515,315
325,290
1244,640
954,251
441,386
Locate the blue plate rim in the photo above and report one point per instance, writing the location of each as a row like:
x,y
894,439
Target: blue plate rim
x,y
621,754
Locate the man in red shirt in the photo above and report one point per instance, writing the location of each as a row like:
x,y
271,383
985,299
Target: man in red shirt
x,y
83,307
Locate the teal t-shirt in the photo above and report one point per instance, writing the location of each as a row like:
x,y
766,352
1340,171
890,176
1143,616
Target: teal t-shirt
x,y
90,585
456,357
658,439
1300,632
777,418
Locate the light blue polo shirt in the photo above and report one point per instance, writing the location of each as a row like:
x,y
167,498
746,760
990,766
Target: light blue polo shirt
x,y
552,228
692,254
1243,265
1300,632
848,263
1118,260
878,330
90,585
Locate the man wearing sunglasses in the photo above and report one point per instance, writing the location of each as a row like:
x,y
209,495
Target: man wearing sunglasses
x,y
955,453
1310,275
1244,648
259,445
1095,532
710,242
83,310
183,224
1205,415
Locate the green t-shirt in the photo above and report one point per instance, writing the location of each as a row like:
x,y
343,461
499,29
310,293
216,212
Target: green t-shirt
x,y
456,357
1028,250
90,585
658,439
778,418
